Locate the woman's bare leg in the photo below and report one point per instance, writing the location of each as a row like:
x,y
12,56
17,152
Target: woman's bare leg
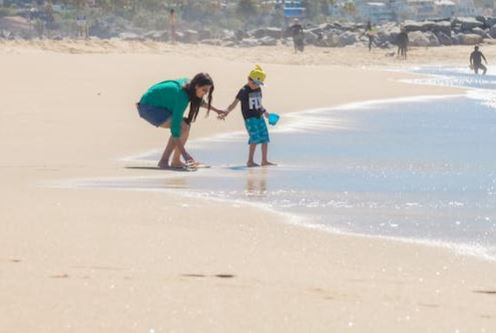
x,y
164,160
176,159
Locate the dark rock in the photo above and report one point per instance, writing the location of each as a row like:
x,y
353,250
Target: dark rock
x,y
267,32
444,39
492,31
468,23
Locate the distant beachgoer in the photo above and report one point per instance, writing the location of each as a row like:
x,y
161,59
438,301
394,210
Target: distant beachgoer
x,y
402,41
82,26
476,61
164,104
296,31
370,35
172,26
250,96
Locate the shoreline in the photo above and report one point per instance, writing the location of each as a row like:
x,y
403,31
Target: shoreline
x,y
294,219
130,261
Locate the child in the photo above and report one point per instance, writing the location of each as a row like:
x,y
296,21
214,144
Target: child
x,y
250,97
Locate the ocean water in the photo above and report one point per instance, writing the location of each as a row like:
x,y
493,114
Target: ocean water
x,y
418,169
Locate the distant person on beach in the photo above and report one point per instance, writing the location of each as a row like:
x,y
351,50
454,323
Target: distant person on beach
x,y
172,26
82,26
476,61
296,32
370,35
250,96
164,104
402,41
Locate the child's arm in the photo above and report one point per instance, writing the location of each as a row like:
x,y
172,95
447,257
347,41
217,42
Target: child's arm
x,y
265,112
230,108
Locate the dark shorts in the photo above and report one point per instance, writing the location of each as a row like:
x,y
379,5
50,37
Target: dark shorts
x,y
479,66
153,114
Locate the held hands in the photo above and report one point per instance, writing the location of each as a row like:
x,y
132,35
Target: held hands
x,y
221,115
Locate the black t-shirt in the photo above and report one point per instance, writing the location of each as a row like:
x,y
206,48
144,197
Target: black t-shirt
x,y
296,30
251,102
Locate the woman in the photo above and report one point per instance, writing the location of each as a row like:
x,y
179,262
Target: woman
x,y
164,104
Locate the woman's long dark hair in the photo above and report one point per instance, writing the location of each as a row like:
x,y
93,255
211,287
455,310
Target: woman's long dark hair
x,y
200,80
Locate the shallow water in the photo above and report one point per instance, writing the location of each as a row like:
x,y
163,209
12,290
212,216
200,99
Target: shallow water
x,y
419,169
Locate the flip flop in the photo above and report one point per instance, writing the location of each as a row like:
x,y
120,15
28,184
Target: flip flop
x,y
185,168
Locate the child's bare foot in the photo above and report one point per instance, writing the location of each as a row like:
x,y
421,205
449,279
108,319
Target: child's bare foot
x,y
252,165
267,163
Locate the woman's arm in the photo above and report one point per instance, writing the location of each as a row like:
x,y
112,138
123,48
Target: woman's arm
x,y
213,108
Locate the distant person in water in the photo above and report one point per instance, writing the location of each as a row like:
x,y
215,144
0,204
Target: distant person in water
x,y
163,105
370,35
476,61
402,41
172,26
250,96
296,32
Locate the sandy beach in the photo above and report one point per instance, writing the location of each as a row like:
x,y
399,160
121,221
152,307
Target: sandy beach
x,y
132,261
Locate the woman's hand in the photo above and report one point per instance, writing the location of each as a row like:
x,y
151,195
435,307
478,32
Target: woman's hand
x,y
222,115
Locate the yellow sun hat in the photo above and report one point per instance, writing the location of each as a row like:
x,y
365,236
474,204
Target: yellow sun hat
x,y
258,75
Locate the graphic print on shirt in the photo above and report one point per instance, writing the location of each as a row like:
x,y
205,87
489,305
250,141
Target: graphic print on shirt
x,y
255,100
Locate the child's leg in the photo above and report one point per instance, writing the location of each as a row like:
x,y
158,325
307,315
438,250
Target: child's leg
x,y
251,154
265,161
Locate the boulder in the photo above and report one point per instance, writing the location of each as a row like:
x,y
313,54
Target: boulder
x,y
190,36
157,35
470,39
216,42
468,23
129,36
347,38
310,37
249,42
267,32
329,40
490,21
444,39
267,41
480,32
418,38
441,26
492,31
228,44
433,40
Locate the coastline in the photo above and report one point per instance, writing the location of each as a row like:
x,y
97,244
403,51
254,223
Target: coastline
x,y
99,260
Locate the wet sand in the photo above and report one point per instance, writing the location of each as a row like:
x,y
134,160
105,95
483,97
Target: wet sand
x,y
100,260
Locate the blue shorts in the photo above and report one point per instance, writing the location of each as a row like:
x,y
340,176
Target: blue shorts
x,y
154,114
257,130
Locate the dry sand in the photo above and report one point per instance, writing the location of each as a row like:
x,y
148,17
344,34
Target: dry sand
x,y
119,261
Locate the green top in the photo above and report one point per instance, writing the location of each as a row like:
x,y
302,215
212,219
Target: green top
x,y
170,95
